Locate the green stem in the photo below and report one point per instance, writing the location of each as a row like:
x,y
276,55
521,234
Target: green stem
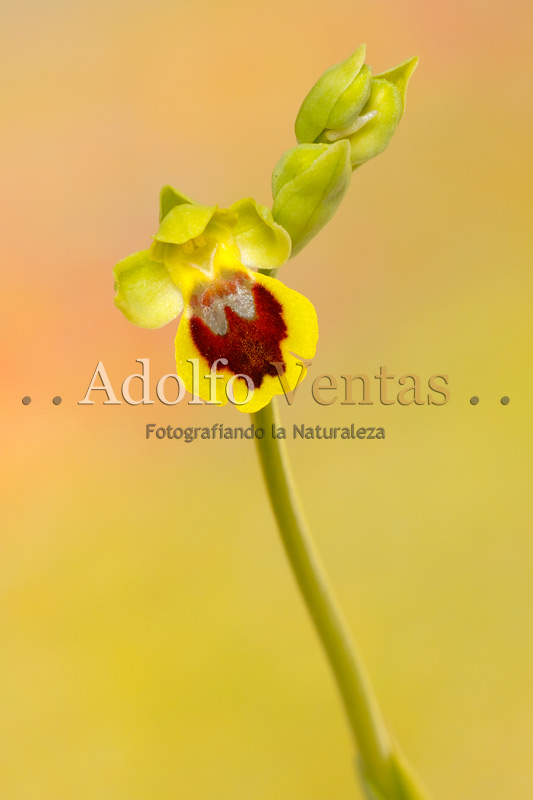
x,y
365,719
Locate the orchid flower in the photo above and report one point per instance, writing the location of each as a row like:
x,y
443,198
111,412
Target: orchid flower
x,y
249,327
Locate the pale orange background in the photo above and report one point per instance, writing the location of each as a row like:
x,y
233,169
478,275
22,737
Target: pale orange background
x,y
153,644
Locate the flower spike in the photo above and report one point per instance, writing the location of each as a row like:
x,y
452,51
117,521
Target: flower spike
x,y
243,323
244,337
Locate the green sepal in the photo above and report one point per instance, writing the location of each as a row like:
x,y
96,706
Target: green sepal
x,y
400,76
321,100
372,139
293,163
262,242
308,184
184,222
350,103
146,294
170,197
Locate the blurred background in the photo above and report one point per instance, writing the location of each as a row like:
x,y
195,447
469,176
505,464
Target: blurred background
x,y
152,641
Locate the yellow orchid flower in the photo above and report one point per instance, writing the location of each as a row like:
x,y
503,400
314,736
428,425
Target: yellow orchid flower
x,y
242,333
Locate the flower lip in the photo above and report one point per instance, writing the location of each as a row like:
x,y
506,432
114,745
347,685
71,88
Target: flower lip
x,y
250,343
253,322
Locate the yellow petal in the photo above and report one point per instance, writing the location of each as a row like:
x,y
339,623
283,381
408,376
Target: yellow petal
x,y
170,197
184,222
261,241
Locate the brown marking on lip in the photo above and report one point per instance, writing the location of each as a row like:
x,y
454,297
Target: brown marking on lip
x,y
250,345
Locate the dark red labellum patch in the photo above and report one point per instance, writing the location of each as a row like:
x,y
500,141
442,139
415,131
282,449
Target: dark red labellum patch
x,y
250,345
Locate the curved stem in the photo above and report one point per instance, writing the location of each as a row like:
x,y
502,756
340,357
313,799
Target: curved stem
x,y
365,719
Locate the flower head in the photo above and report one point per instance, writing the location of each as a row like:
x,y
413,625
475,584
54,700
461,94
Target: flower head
x,y
247,327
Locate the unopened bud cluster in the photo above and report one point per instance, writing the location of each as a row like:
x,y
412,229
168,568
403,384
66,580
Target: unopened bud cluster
x,y
349,116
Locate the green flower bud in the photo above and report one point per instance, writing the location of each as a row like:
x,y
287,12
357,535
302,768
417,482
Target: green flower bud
x,y
308,184
348,103
382,113
331,96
